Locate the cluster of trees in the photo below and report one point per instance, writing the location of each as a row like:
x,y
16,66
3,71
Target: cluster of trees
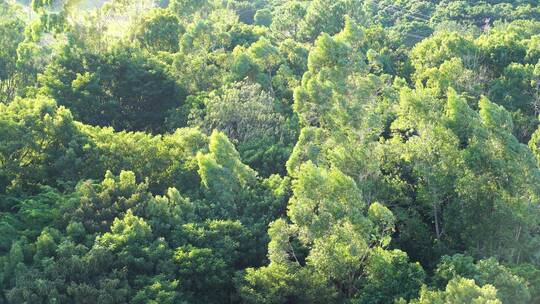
x,y
270,151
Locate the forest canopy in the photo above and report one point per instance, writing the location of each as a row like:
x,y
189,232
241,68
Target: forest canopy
x,y
270,151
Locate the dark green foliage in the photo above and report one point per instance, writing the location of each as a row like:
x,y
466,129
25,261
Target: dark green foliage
x,y
121,88
160,30
510,287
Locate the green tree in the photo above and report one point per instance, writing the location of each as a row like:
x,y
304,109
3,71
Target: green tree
x,y
11,35
460,290
122,88
510,288
263,17
324,16
159,30
287,19
250,117
390,276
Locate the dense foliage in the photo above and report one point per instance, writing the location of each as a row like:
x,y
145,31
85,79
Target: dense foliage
x,y
270,151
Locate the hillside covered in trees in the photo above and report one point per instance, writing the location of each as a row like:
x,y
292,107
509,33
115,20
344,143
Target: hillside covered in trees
x,y
270,151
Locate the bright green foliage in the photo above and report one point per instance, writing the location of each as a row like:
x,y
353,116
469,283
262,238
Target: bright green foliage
x,y
390,276
266,56
131,240
329,217
510,288
43,145
494,64
339,257
384,222
335,86
323,199
440,48
223,174
451,74
310,147
324,16
11,35
151,251
287,18
460,291
198,64
37,137
269,151
249,117
282,283
455,171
